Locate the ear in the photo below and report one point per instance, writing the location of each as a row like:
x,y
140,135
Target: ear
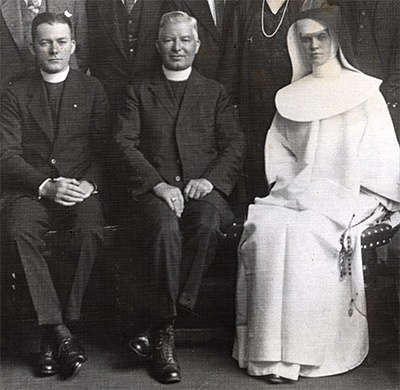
x,y
31,49
158,46
73,46
198,43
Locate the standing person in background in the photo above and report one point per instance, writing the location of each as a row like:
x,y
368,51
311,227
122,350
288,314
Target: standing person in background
x,y
375,34
254,66
213,18
15,34
52,143
122,35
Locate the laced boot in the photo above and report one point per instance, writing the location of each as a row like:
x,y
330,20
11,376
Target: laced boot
x,y
164,365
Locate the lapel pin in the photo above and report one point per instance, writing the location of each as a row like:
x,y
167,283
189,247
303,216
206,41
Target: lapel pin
x,y
75,105
67,14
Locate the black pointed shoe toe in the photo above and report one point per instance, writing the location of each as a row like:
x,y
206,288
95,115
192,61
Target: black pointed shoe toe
x,y
141,347
71,356
47,364
277,380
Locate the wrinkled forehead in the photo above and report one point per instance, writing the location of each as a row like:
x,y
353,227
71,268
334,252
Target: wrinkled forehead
x,y
310,27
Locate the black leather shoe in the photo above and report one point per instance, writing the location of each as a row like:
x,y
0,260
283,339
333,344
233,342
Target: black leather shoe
x,y
276,379
164,364
71,356
47,364
141,347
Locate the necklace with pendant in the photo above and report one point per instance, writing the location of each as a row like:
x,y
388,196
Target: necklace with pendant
x,y
279,24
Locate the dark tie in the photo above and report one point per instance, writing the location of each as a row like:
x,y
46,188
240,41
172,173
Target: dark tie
x,y
219,11
129,5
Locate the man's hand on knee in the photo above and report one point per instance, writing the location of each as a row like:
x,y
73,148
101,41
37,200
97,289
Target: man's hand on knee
x,y
172,196
64,191
197,189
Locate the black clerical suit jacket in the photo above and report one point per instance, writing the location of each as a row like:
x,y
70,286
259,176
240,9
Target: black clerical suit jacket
x,y
160,142
32,149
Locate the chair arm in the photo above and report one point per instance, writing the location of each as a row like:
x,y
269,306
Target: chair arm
x,y
377,235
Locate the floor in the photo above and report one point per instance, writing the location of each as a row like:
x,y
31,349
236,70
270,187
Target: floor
x,y
206,365
204,354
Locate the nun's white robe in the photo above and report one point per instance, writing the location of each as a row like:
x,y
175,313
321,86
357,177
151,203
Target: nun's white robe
x,y
336,169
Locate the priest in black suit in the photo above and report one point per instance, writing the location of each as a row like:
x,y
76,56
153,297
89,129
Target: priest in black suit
x,y
181,149
51,141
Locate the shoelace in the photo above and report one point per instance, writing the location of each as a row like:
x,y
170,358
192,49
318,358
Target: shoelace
x,y
165,344
66,347
46,348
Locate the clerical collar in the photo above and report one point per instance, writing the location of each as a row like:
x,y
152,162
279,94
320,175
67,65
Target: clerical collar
x,y
39,2
55,77
177,75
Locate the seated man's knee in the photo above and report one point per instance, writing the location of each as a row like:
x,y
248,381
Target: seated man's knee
x,y
89,219
205,219
154,215
166,224
24,221
16,236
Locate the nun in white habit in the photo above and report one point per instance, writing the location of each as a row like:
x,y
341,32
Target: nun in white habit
x,y
334,161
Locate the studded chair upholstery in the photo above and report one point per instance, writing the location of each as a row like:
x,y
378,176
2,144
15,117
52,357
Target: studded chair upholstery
x,y
376,236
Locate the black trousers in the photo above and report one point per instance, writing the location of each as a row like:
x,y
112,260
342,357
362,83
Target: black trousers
x,y
26,222
174,253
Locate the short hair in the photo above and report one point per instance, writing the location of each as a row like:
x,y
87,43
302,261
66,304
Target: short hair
x,y
176,17
51,19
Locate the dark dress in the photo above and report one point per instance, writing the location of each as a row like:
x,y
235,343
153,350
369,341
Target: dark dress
x,y
254,68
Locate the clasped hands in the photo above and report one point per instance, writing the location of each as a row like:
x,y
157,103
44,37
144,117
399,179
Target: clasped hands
x,y
175,199
67,192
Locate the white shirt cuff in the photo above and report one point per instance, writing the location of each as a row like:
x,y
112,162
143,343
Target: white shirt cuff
x,y
41,188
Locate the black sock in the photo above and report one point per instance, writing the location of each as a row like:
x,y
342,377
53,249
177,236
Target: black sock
x,y
59,331
166,322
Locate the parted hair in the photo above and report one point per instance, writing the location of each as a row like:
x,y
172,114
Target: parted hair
x,y
50,18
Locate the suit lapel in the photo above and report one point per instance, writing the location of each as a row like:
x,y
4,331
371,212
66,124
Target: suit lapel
x,y
160,88
201,11
194,91
11,11
108,14
39,107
